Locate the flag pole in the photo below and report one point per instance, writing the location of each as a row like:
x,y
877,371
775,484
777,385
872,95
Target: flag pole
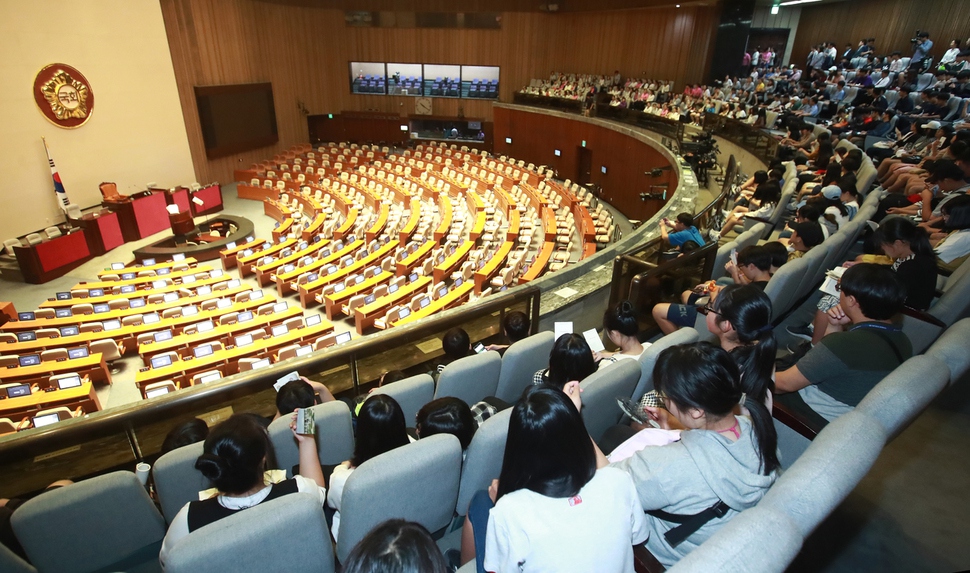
x,y
59,192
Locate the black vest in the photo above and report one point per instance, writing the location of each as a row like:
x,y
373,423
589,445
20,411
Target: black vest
x,y
202,513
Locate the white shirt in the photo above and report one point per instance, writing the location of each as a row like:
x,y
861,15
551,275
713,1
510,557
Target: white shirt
x,y
179,528
593,531
956,245
338,479
950,56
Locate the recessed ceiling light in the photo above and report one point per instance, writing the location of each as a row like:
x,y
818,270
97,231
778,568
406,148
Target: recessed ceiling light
x,y
793,2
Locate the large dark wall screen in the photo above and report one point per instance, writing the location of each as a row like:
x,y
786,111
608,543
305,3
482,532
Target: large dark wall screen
x,y
236,118
732,36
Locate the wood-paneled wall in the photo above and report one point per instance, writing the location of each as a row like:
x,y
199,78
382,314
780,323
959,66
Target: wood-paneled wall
x,y
305,52
891,22
536,136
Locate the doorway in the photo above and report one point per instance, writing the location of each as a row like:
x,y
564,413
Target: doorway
x,y
584,164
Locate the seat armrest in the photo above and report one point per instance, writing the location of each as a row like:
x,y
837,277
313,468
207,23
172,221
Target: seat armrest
x,y
794,421
645,562
924,316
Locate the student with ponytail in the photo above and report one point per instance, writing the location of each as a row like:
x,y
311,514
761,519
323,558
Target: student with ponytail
x,y
723,464
621,327
234,460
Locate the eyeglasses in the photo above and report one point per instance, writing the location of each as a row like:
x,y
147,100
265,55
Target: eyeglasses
x,y
838,286
707,309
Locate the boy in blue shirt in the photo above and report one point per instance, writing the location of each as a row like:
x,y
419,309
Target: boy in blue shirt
x,y
684,230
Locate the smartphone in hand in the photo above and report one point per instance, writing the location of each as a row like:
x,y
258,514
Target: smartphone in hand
x,y
305,424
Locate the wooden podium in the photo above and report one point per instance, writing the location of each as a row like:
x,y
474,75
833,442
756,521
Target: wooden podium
x,y
181,223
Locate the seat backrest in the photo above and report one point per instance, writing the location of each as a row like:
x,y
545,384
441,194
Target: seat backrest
x,y
951,348
470,378
521,360
600,391
335,436
177,482
895,401
721,258
285,534
483,458
952,306
784,284
10,562
649,357
89,525
417,482
411,394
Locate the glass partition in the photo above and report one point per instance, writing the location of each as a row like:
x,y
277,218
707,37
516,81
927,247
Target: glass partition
x,y
367,78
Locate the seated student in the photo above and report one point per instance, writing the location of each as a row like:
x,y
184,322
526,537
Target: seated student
x,y
186,433
945,181
723,464
302,393
569,359
396,546
765,199
234,460
908,252
683,230
779,255
804,236
834,213
835,375
952,243
754,264
551,509
807,213
621,327
515,326
380,428
456,345
448,415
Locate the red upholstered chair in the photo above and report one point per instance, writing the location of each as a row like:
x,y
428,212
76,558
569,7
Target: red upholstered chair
x,y
109,192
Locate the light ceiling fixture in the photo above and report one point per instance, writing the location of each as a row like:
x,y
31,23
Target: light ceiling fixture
x,y
774,10
793,2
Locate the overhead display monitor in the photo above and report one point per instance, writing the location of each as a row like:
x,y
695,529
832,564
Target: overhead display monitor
x,y
443,81
479,82
367,78
405,79
236,118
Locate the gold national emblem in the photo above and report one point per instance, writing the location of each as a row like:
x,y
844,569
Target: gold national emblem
x,y
63,95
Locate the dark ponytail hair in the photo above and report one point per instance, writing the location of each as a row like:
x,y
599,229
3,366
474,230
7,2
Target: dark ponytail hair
x,y
234,456
570,359
380,428
907,231
748,309
621,318
705,377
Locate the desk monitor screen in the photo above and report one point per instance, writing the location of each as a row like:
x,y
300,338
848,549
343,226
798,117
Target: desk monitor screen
x,y
45,420
412,277
150,318
442,291
312,277
339,287
188,279
325,252
148,262
261,363
280,306
117,266
282,239
96,292
80,352
343,337
425,302
112,324
392,289
25,316
223,303
200,351
26,336
441,259
63,296
127,276
244,316
190,310
127,289
304,350
102,307
72,381
170,297
306,261
63,313
286,252
369,299
247,253
404,313
215,273
203,290
159,284
136,303
178,257
205,326
313,320
231,245
331,269
234,283
210,377
280,330
504,288
162,336
289,268
29,360
317,238
157,392
163,271
359,279
244,340
250,239
18,391
302,245
69,330
161,361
